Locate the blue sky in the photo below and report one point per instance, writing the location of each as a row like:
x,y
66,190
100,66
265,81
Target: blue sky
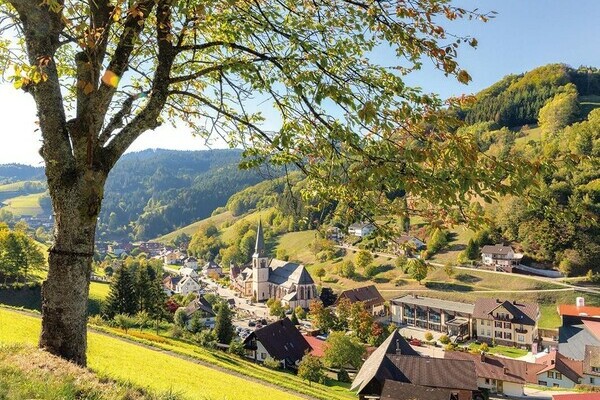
x,y
525,34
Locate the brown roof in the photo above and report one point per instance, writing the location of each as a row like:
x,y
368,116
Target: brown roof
x,y
282,340
572,369
367,294
523,313
503,369
394,390
591,359
378,366
436,372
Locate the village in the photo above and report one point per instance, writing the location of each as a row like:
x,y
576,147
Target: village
x,y
413,344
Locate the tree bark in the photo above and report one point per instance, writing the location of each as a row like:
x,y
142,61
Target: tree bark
x,y
76,202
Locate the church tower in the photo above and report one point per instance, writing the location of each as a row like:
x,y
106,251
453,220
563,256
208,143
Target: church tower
x,y
260,267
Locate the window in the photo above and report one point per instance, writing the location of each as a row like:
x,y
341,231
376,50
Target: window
x,y
489,333
555,385
498,334
595,369
521,338
489,322
558,375
551,374
497,324
507,325
508,335
482,332
592,381
263,356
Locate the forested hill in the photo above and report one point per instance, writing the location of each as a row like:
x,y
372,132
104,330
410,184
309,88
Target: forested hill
x,y
153,192
10,173
516,100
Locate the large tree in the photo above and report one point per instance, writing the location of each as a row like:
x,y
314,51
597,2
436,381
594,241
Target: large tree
x,y
103,72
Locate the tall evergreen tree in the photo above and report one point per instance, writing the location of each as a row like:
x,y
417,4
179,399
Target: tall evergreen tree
x,y
121,297
223,325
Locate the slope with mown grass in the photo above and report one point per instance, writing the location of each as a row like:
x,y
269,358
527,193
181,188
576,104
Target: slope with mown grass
x,y
146,368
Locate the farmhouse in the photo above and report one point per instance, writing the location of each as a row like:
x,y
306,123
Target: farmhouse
x,y
559,371
201,310
505,322
368,295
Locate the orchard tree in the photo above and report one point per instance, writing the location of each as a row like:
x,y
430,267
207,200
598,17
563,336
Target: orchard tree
x,y
103,72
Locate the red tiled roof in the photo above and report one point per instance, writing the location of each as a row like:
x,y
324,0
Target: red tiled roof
x,y
317,345
574,311
577,396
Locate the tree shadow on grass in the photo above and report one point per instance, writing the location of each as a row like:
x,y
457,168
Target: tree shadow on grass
x,y
448,287
467,278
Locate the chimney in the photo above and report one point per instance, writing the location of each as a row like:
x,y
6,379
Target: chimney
x,y
398,351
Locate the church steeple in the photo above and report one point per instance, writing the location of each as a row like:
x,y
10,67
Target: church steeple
x,y
259,249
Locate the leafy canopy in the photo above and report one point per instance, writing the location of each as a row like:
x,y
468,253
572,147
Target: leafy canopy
x,y
289,81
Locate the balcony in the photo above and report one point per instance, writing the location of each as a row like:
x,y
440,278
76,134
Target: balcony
x,y
520,330
499,317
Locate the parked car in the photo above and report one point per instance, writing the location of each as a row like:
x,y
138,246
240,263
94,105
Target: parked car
x,y
415,342
251,323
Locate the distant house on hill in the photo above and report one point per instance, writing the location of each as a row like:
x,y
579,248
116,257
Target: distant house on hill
x,y
180,285
280,340
406,244
191,262
369,295
500,258
361,229
508,323
559,371
186,271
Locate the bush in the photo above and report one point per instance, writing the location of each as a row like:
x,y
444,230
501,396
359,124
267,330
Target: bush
x,y
343,376
484,347
450,347
444,339
271,363
237,347
428,336
176,332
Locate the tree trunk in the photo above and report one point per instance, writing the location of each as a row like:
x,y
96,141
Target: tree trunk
x,y
76,202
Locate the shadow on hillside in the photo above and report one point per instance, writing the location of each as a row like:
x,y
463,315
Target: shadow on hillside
x,y
467,278
448,287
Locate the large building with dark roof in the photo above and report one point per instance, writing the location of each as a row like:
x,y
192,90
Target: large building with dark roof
x,y
271,278
505,322
368,295
396,361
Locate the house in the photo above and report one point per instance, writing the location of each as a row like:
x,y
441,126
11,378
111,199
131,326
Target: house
x,y
191,262
559,371
394,390
170,284
202,310
500,258
406,245
498,374
450,317
591,366
211,268
119,248
580,327
507,323
368,295
271,278
395,360
187,285
280,340
151,248
171,257
186,271
241,280
361,229
317,345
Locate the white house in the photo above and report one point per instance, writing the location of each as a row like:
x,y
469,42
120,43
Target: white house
x,y
559,371
500,258
186,271
191,262
171,257
361,229
186,286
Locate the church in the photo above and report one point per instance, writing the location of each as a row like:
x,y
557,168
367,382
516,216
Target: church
x,y
263,279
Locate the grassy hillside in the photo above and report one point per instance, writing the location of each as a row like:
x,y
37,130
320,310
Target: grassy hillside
x,y
217,220
25,205
29,373
145,367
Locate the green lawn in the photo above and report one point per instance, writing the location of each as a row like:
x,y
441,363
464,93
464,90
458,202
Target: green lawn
x,y
549,319
501,350
144,367
24,205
